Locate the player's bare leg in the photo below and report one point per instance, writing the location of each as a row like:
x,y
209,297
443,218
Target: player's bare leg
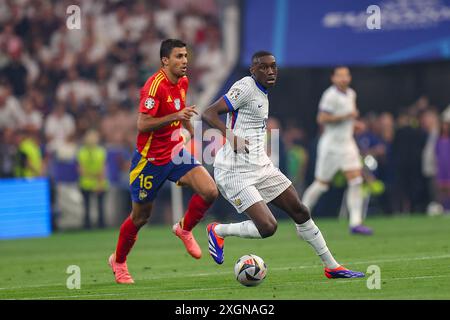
x,y
128,234
307,230
354,200
263,220
205,194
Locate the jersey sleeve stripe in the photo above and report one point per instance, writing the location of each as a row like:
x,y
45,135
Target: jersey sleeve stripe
x,y
147,146
155,83
155,88
138,169
229,105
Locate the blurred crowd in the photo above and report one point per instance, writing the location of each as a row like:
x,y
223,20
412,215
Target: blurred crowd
x,y
410,155
68,101
406,158
57,85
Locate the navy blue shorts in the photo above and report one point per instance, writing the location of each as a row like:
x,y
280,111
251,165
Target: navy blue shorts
x,y
146,178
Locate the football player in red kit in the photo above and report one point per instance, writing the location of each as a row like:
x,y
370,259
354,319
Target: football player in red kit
x,y
162,113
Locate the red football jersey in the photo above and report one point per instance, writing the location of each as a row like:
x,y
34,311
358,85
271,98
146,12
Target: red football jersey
x,y
160,97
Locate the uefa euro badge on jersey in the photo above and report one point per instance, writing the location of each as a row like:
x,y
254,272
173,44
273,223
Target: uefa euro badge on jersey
x,y
177,104
149,103
234,93
142,194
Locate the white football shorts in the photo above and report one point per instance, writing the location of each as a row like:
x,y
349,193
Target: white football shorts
x,y
329,162
243,189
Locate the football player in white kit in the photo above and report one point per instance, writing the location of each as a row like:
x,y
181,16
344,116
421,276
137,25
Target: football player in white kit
x,y
245,175
337,149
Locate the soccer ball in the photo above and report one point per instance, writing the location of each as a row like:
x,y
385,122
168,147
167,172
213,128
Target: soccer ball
x,y
250,270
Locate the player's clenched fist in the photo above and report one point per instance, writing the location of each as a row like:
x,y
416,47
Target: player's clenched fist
x,y
186,113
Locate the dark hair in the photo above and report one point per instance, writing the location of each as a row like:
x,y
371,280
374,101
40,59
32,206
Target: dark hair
x,y
338,67
167,46
260,54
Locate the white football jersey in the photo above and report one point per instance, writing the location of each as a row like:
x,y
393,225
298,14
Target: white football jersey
x,y
338,135
249,109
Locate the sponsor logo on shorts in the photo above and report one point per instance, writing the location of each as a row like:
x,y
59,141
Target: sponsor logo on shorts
x,y
142,194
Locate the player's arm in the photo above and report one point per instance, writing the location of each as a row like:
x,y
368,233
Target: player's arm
x,y
328,110
326,117
188,126
147,123
212,117
148,110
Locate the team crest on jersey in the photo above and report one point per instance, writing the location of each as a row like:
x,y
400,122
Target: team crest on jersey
x,y
142,194
177,104
234,93
149,103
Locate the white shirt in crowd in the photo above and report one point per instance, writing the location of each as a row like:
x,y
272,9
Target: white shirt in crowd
x,y
57,129
11,113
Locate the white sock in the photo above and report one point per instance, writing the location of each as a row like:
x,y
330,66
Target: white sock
x,y
245,229
354,200
309,232
313,193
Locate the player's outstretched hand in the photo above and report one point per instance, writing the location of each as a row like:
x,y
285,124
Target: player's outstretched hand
x,y
186,113
240,145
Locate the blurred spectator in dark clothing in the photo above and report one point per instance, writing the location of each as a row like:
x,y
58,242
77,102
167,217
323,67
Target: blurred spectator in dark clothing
x,y
88,119
54,74
366,137
386,169
8,151
15,71
417,108
407,148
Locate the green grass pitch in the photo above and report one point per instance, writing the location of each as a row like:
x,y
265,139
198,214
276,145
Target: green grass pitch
x,y
412,252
